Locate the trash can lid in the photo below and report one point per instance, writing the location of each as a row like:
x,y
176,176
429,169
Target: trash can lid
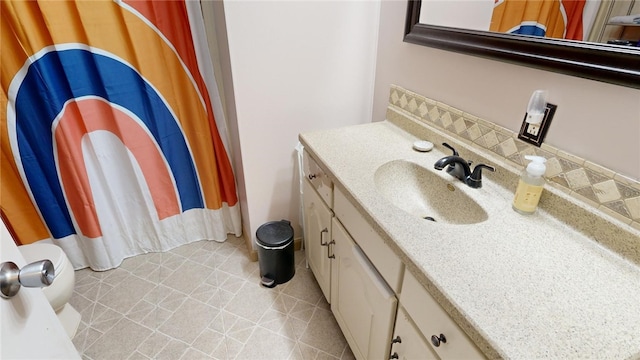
x,y
274,233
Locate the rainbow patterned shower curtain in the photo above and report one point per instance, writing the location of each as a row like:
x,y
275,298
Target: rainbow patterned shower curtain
x,y
561,19
110,146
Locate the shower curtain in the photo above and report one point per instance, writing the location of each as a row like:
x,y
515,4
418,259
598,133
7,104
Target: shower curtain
x,y
110,143
560,19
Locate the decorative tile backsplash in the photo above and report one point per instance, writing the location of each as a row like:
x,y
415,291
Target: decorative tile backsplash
x,y
593,184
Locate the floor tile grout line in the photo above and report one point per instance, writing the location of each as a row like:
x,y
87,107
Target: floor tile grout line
x,y
207,327
246,342
87,345
84,340
93,309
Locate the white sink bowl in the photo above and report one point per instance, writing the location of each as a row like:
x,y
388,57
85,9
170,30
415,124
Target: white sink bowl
x,y
422,193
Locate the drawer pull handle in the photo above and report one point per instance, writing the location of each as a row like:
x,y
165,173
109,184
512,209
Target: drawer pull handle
x,y
435,340
396,340
332,256
325,230
395,356
311,176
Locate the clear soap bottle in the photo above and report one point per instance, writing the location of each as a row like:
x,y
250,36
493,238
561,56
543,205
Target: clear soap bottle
x,y
530,186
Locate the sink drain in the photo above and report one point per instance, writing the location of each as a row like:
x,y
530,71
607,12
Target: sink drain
x,y
429,218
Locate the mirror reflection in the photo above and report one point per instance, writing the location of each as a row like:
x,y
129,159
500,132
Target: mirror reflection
x,y
614,22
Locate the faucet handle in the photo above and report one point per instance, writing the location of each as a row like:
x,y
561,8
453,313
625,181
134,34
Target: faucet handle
x,y
451,148
454,169
475,179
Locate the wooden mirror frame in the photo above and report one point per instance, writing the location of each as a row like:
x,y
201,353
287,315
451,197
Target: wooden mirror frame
x,y
613,64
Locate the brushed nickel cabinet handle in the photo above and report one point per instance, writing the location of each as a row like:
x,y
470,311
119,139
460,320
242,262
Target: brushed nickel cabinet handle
x,y
325,230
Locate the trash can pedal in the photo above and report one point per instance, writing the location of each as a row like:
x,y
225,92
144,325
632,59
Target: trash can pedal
x,y
268,283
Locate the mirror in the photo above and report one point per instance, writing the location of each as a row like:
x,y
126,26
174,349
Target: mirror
x,y
614,64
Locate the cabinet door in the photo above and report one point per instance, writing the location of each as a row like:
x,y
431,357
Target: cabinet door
x,y
408,343
317,234
361,301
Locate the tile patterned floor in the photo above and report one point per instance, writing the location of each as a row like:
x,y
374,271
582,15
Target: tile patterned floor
x,y
203,301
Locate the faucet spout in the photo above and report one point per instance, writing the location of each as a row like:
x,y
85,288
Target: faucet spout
x,y
461,169
458,166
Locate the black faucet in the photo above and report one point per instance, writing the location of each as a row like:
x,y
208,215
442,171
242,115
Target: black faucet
x,y
461,169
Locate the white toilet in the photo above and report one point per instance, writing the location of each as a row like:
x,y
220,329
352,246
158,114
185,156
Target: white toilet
x,y
60,291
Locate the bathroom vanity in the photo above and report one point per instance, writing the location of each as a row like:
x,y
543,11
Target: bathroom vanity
x,y
475,280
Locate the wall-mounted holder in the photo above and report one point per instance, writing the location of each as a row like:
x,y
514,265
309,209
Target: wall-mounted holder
x,y
535,133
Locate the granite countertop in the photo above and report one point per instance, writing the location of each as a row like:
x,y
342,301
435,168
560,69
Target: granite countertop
x,y
523,287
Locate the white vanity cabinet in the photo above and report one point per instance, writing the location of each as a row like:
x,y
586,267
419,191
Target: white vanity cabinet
x,y
422,316
347,258
360,276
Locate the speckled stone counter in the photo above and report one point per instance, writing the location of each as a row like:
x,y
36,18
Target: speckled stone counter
x,y
521,287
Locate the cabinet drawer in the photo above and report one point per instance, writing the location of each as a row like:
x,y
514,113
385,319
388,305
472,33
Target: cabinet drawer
x,y
408,342
319,180
381,256
431,319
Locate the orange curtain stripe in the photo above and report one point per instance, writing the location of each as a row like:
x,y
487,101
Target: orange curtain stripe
x,y
71,158
174,33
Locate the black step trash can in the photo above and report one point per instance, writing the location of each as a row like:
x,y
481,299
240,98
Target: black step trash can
x,y
275,252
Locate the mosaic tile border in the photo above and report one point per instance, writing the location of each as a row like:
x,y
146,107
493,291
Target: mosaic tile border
x,y
595,185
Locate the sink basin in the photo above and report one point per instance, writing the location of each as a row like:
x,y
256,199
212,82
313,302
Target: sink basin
x,y
422,193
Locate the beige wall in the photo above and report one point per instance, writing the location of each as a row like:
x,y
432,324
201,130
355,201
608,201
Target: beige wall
x,y
296,66
596,121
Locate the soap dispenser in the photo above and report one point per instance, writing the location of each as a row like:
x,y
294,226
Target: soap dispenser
x,y
530,186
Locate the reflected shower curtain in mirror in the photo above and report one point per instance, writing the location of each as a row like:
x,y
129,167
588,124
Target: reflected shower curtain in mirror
x,y
561,19
110,146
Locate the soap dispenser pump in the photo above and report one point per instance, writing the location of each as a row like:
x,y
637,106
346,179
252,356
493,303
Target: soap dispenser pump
x,y
530,186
